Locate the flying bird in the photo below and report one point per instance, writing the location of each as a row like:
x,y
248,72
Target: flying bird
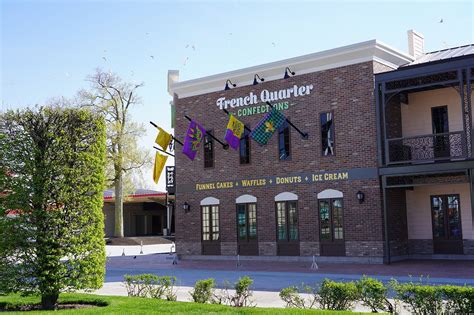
x,y
105,59
194,48
273,44
152,57
185,60
441,21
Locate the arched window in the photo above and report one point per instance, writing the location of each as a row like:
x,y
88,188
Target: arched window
x,y
210,219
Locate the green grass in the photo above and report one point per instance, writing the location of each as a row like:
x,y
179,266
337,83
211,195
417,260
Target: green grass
x,y
133,305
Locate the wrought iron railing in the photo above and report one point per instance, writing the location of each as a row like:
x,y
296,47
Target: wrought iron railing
x,y
425,148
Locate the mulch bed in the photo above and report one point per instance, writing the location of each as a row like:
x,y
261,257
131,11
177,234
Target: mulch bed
x,y
37,307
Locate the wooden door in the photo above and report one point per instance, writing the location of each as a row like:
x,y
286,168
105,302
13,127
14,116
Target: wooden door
x,y
247,229
288,243
210,234
446,221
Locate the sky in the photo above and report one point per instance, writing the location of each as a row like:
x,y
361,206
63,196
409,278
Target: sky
x,y
48,48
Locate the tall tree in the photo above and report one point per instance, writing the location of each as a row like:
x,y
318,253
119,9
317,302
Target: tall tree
x,y
113,98
52,173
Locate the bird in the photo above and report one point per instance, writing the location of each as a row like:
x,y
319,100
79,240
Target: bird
x,y
152,57
194,48
273,44
105,59
185,60
441,21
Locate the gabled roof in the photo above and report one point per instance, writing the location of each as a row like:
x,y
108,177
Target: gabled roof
x,y
444,54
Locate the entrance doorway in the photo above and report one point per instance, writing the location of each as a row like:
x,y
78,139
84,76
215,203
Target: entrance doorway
x,y
440,126
247,229
446,219
211,244
287,228
331,227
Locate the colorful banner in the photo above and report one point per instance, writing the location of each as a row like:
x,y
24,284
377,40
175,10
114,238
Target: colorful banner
x,y
235,129
160,161
163,139
267,126
194,137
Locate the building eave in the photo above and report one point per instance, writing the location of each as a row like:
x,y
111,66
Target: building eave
x,y
371,50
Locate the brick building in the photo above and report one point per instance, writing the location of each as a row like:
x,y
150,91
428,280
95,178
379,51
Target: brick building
x,y
295,197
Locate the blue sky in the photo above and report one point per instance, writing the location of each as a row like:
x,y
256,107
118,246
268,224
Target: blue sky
x,y
49,47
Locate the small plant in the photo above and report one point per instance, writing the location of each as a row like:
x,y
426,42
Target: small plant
x,y
337,295
242,296
153,286
291,296
373,294
203,291
421,299
460,300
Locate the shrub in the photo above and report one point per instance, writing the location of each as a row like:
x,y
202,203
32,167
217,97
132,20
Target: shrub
x,y
421,299
373,294
242,296
203,291
153,286
337,295
291,296
460,300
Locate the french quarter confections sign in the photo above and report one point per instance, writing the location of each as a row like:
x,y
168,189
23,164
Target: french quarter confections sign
x,y
305,178
243,104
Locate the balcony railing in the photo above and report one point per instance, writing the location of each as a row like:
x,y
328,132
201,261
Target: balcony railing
x,y
427,148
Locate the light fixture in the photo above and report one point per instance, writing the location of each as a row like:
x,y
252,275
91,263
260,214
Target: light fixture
x,y
255,82
186,207
360,196
227,87
288,72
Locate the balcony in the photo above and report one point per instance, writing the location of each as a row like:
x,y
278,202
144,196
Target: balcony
x,y
427,148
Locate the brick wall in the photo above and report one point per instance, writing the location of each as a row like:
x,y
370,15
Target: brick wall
x,y
348,92
397,221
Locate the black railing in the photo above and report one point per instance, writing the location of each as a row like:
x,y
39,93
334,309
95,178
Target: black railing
x,y
426,148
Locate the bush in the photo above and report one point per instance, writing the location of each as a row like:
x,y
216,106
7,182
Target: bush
x,y
153,286
373,294
421,299
460,300
337,295
203,291
241,298
291,296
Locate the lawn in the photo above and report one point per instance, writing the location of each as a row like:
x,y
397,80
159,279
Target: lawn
x,y
133,305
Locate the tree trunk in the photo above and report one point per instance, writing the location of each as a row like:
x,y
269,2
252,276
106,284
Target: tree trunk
x,y
118,232
49,301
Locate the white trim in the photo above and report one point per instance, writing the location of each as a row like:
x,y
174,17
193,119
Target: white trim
x,y
330,193
209,201
328,59
286,196
246,199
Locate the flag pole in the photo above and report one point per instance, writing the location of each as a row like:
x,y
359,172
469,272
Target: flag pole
x,y
225,146
176,140
246,128
304,135
163,151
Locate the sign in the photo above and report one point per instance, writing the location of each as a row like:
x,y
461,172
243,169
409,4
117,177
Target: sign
x,y
292,179
264,96
170,180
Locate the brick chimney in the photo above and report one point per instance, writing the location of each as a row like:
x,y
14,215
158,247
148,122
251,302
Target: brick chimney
x,y
416,43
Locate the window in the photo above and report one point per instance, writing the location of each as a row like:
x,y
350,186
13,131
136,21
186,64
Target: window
x,y
330,219
208,150
210,223
244,150
287,221
284,141
327,134
247,221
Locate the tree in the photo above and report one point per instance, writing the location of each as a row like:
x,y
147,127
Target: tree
x,y
52,173
114,98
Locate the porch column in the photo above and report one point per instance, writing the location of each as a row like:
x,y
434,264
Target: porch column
x,y
385,220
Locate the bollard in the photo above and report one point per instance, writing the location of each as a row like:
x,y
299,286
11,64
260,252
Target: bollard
x,y
141,247
314,265
123,252
238,261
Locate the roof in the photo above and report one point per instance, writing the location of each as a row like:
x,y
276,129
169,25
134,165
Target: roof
x,y
444,54
372,50
110,193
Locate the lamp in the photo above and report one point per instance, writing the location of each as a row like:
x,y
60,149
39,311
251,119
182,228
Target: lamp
x,y
360,196
227,87
288,72
255,82
186,207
